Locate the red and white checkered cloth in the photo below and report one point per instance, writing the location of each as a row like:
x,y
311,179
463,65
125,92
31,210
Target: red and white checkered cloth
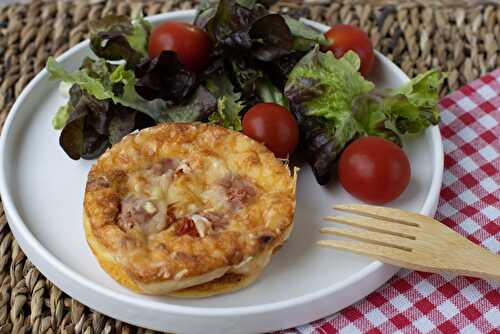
x,y
418,302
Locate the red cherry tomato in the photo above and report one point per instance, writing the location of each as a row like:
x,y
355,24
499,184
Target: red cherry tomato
x,y
191,44
274,126
345,37
374,170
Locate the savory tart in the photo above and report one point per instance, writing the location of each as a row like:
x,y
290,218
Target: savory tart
x,y
187,210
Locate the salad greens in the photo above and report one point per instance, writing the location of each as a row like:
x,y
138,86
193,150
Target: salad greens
x,y
117,37
257,56
60,117
93,124
229,104
269,93
251,40
332,82
102,97
164,78
334,104
102,81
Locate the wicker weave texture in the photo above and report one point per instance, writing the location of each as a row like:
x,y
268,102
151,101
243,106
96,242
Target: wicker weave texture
x,y
460,37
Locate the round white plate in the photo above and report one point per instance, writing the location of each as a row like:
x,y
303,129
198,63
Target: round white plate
x,y
42,191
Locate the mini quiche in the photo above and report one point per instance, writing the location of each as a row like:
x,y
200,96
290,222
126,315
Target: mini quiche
x,y
187,210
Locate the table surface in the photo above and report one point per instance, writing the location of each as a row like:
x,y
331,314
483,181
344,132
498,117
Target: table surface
x,y
452,36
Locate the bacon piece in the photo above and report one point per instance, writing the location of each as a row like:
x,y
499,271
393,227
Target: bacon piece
x,y
218,221
132,213
170,218
185,226
163,166
238,191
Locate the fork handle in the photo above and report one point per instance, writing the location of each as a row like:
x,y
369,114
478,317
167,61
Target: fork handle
x,y
483,264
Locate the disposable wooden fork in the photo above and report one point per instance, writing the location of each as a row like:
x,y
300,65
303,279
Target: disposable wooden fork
x,y
410,240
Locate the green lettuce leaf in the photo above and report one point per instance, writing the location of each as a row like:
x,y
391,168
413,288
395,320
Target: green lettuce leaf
x,y
246,3
197,107
204,12
269,93
327,85
139,37
305,37
116,37
115,83
334,105
422,90
60,117
321,90
82,78
413,107
229,104
410,108
228,113
372,119
104,106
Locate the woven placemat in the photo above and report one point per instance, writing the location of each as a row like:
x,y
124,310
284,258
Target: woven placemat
x,y
460,37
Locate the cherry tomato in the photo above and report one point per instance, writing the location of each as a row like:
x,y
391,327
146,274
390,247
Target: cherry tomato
x,y
274,126
191,44
345,37
374,170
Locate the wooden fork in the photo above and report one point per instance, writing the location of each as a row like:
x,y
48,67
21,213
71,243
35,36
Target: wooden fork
x,y
410,240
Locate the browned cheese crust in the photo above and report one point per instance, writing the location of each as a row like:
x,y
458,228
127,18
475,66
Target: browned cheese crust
x,y
178,205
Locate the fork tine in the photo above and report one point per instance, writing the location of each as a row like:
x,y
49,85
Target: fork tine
x,y
370,237
388,214
375,225
382,253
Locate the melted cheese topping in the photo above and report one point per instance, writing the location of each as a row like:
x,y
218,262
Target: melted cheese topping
x,y
185,203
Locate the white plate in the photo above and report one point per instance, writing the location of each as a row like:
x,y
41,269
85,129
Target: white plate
x,y
42,191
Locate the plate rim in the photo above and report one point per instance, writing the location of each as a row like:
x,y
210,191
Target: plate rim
x,y
15,219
